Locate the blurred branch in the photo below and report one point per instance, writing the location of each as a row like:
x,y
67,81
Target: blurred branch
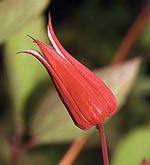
x,y
4,135
14,146
132,35
73,151
15,154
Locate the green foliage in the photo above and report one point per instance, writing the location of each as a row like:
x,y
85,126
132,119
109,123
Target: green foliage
x,y
24,72
14,15
133,148
91,31
51,123
120,85
145,39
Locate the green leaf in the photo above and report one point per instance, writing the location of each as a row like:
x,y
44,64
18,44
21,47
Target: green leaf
x,y
52,123
24,71
133,148
17,14
120,78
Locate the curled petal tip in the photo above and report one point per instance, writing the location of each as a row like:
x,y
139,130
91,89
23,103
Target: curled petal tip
x,y
19,52
23,51
30,51
36,54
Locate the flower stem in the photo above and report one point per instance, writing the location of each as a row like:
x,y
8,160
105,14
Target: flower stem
x,y
103,144
132,34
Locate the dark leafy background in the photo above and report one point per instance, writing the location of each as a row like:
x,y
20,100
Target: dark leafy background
x,y
91,31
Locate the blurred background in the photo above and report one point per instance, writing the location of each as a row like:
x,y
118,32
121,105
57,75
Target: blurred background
x,y
35,128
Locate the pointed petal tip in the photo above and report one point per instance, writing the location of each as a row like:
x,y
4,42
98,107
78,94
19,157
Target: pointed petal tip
x,y
49,17
34,39
49,21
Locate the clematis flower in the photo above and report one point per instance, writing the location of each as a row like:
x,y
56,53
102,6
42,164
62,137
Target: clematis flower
x,y
88,100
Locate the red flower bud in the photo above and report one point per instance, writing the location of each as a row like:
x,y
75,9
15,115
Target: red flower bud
x,y
86,97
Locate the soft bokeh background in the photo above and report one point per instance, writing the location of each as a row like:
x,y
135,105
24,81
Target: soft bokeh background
x,y
31,114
